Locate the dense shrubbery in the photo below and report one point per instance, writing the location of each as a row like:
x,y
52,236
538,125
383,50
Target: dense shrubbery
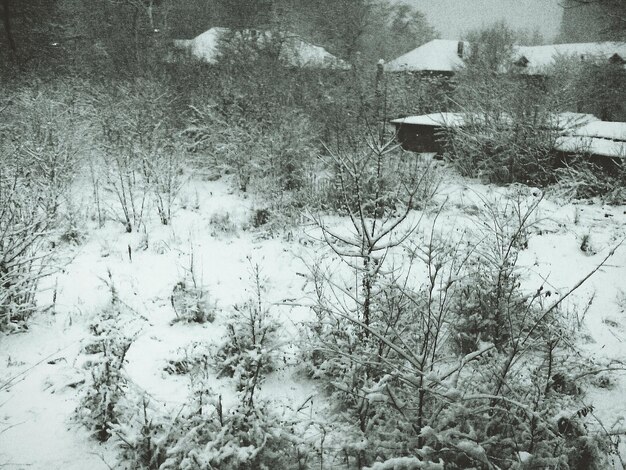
x,y
581,179
386,352
41,140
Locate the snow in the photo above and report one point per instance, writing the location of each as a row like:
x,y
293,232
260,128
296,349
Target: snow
x,y
438,55
46,360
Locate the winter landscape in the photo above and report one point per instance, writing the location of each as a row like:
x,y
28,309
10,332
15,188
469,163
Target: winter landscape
x,y
224,245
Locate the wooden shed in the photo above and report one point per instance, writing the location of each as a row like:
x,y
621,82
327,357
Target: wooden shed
x,y
426,133
601,143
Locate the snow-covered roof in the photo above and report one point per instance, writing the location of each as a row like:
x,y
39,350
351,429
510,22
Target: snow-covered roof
x,y
591,145
535,59
434,119
560,121
597,138
447,55
603,129
294,51
568,121
438,55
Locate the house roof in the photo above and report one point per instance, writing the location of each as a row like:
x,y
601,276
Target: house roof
x,y
591,145
294,51
438,55
604,130
434,119
447,55
535,59
561,121
598,138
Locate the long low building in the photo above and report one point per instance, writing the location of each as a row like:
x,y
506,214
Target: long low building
x,y
601,142
426,133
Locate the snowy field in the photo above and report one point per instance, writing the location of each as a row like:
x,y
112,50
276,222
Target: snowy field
x,y
42,368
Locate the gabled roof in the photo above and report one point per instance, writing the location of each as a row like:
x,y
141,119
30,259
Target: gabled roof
x,y
438,55
294,51
535,59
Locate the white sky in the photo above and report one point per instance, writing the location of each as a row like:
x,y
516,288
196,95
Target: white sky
x,y
454,17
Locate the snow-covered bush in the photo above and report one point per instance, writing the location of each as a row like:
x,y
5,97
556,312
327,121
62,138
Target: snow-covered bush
x,y
581,179
40,143
190,359
43,134
246,437
99,405
191,300
267,155
164,172
139,158
507,135
203,435
192,303
458,365
250,349
24,258
222,224
377,179
489,305
143,434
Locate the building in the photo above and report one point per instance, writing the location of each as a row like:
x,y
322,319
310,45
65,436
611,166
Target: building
x,y
599,142
290,49
427,133
439,56
445,56
536,60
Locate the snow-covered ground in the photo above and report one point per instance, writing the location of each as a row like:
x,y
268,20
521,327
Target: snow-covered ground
x,y
41,368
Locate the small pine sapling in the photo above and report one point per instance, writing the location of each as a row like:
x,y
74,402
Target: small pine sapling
x,y
190,299
250,350
107,348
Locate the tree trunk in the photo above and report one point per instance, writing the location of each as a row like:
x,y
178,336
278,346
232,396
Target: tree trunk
x,y
6,16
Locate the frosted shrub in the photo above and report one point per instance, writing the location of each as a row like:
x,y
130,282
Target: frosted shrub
x,y
581,179
190,359
221,223
249,351
164,171
47,136
98,408
378,179
143,435
190,299
249,436
24,259
139,160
